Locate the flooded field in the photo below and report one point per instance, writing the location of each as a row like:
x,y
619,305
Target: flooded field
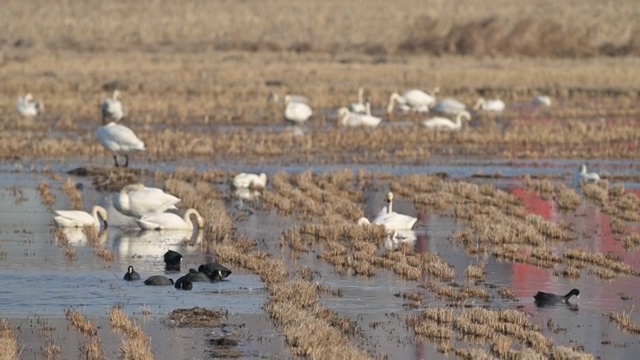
x,y
498,208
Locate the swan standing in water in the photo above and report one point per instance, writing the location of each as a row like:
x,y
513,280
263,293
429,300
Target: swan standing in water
x,y
245,181
296,112
439,123
413,100
449,106
585,176
171,221
359,107
112,109
390,219
27,107
120,140
350,119
137,200
76,218
496,106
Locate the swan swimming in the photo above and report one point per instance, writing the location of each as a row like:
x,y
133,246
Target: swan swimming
x,y
494,105
27,107
413,100
588,176
439,123
77,218
171,221
137,200
390,219
359,107
244,180
351,119
449,106
120,140
112,109
296,112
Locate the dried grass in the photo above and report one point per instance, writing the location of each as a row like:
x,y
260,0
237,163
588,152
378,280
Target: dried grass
x,y
8,342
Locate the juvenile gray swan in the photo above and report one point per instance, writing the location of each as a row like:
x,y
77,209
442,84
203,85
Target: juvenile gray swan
x,y
131,274
158,280
548,298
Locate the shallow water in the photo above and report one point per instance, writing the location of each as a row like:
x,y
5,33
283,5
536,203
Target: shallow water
x,y
31,255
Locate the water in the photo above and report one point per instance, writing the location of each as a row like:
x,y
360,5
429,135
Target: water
x,y
37,279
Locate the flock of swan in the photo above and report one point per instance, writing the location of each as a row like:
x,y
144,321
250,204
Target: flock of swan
x,y
358,114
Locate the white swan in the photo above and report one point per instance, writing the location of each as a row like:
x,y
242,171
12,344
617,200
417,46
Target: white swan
x,y
112,108
542,100
244,180
171,221
120,140
440,123
449,106
390,219
137,200
350,119
413,100
359,107
76,218
296,112
588,176
27,107
494,105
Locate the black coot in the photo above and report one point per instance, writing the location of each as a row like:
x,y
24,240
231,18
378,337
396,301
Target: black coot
x,y
183,283
172,260
547,298
195,275
131,274
214,271
158,280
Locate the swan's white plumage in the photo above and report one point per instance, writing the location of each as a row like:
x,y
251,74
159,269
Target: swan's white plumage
x,y
171,221
359,107
449,106
245,180
588,176
350,119
112,108
119,139
76,218
542,100
295,111
137,200
440,123
27,107
491,105
413,100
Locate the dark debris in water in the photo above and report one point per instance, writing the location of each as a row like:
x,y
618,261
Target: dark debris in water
x,y
109,179
197,317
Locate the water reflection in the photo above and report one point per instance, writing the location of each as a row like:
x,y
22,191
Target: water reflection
x,y
77,237
396,238
247,194
143,243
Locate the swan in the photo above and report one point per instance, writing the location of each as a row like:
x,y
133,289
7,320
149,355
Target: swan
x,y
390,219
588,176
414,100
449,106
360,106
76,218
296,112
137,200
244,180
112,108
440,123
120,140
171,221
351,119
27,107
542,100
496,105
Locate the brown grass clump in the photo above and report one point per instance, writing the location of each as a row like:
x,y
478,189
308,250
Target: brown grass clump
x,y
51,350
196,317
93,238
507,294
566,198
47,197
74,194
475,272
136,345
625,322
92,349
8,342
631,241
63,241
600,260
80,322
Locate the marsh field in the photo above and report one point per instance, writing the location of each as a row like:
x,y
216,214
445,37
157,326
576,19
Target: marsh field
x,y
500,215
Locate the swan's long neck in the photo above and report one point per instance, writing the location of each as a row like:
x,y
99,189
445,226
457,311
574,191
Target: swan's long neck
x,y
392,100
360,95
367,106
479,104
100,214
390,206
194,212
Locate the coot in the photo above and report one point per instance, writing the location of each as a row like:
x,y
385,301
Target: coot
x,y
214,271
548,298
131,274
158,280
172,260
